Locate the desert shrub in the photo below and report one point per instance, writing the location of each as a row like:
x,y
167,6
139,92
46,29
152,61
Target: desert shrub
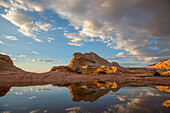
x,y
77,70
157,74
101,82
101,72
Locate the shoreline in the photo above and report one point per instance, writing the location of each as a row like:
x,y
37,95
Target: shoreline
x,y
64,78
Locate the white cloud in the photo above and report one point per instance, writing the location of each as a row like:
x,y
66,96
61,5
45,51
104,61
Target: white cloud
x,y
75,37
5,4
74,44
2,42
25,22
42,61
14,59
60,28
121,24
3,53
22,56
35,52
76,27
50,39
11,37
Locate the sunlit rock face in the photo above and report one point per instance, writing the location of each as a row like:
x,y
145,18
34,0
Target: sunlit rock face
x,y
4,91
61,69
166,104
163,88
91,91
165,73
6,65
165,64
89,62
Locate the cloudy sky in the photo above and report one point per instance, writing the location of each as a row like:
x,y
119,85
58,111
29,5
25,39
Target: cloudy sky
x,y
38,34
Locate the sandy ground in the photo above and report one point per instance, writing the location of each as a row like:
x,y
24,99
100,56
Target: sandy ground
x,y
64,78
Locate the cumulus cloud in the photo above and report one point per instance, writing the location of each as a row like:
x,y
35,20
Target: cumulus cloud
x,y
75,38
125,24
11,37
140,27
25,22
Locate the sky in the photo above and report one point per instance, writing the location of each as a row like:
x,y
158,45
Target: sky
x,y
39,34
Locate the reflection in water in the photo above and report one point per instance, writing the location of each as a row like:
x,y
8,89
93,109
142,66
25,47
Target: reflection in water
x,y
106,97
4,91
163,88
91,91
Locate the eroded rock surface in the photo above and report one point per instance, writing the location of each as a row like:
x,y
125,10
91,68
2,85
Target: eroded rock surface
x,y
166,104
165,64
90,62
6,65
91,91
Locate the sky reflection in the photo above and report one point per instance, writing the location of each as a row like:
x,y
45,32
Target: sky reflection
x,y
92,98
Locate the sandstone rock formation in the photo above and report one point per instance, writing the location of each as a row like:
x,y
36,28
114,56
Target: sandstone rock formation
x,y
90,62
163,88
165,64
6,65
61,69
166,104
4,91
165,73
91,91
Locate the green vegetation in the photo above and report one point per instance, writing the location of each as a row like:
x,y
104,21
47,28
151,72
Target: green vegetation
x,y
157,74
101,72
101,82
77,70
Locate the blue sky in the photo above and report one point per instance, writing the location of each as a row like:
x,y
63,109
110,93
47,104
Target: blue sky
x,y
38,34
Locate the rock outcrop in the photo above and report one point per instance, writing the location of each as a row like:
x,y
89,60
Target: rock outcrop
x,y
6,65
165,73
61,69
90,62
165,64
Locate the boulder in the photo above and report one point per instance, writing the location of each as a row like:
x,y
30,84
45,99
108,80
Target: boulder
x,y
6,65
90,62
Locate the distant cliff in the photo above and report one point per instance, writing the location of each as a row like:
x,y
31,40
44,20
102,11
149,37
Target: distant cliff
x,y
7,66
165,64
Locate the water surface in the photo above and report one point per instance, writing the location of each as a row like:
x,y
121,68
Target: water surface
x,y
83,98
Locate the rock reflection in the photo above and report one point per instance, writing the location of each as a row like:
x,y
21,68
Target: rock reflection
x,y
163,88
91,91
4,91
167,90
85,91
